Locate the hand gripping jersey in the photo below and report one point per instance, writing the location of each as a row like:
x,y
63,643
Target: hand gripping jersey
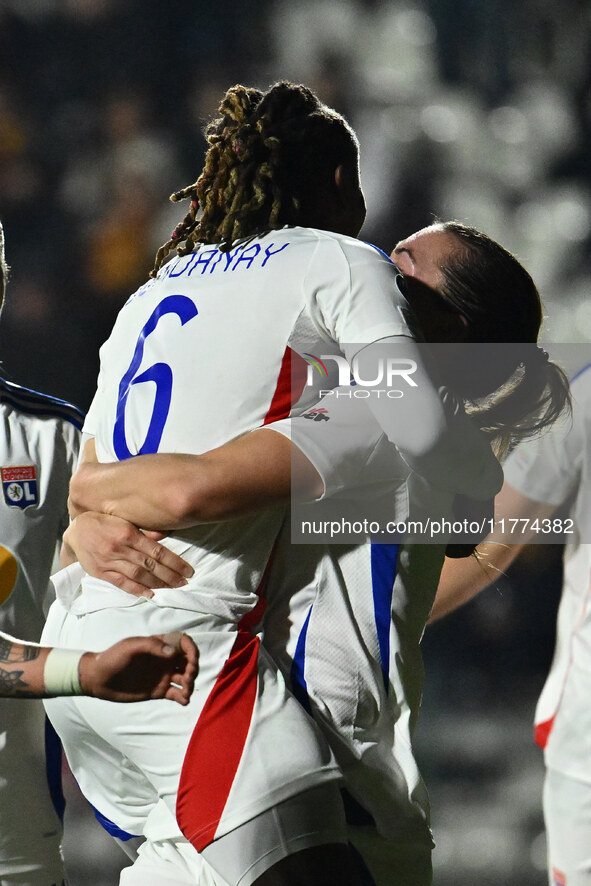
x,y
39,439
556,469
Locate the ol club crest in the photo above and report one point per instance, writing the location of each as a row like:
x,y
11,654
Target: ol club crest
x,y
20,486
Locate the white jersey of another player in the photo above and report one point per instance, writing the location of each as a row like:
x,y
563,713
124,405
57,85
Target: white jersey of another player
x,y
556,469
38,451
39,439
355,615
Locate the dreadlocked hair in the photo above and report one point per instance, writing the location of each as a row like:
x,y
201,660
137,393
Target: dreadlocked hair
x,y
517,390
270,162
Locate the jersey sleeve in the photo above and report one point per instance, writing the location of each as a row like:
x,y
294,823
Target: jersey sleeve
x,y
91,421
345,444
72,437
548,468
91,425
356,299
89,429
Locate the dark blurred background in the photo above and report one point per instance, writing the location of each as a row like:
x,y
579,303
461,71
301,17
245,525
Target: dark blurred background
x,y
468,109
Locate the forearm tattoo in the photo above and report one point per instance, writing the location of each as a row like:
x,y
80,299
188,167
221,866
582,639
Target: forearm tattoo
x,y
11,651
11,682
11,685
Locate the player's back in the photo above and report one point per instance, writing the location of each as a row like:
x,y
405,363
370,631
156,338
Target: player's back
x,y
198,355
205,352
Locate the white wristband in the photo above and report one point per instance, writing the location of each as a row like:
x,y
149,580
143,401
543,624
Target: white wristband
x,y
60,675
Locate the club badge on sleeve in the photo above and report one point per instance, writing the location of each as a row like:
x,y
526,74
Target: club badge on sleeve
x,y
20,486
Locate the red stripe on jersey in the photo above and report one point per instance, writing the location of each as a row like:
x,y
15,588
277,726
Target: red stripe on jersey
x,y
217,743
290,384
542,732
218,740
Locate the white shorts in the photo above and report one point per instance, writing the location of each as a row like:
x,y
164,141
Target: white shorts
x,y
241,746
567,813
31,801
364,686
314,818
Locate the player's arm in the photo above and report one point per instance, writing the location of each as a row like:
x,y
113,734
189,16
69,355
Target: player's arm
x,y
170,491
541,474
175,491
135,669
462,579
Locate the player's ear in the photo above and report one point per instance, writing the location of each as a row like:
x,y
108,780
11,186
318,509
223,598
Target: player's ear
x,y
350,199
344,181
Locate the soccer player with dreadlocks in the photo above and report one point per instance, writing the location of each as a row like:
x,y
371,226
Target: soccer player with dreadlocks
x,y
205,351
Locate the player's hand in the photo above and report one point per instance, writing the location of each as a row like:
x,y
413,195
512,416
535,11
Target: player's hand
x,y
116,551
142,668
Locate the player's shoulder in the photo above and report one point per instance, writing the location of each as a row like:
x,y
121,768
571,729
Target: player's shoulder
x,y
270,249
349,246
37,405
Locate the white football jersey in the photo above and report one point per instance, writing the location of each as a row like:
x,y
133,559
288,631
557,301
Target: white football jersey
x,y
556,469
345,621
215,346
39,439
